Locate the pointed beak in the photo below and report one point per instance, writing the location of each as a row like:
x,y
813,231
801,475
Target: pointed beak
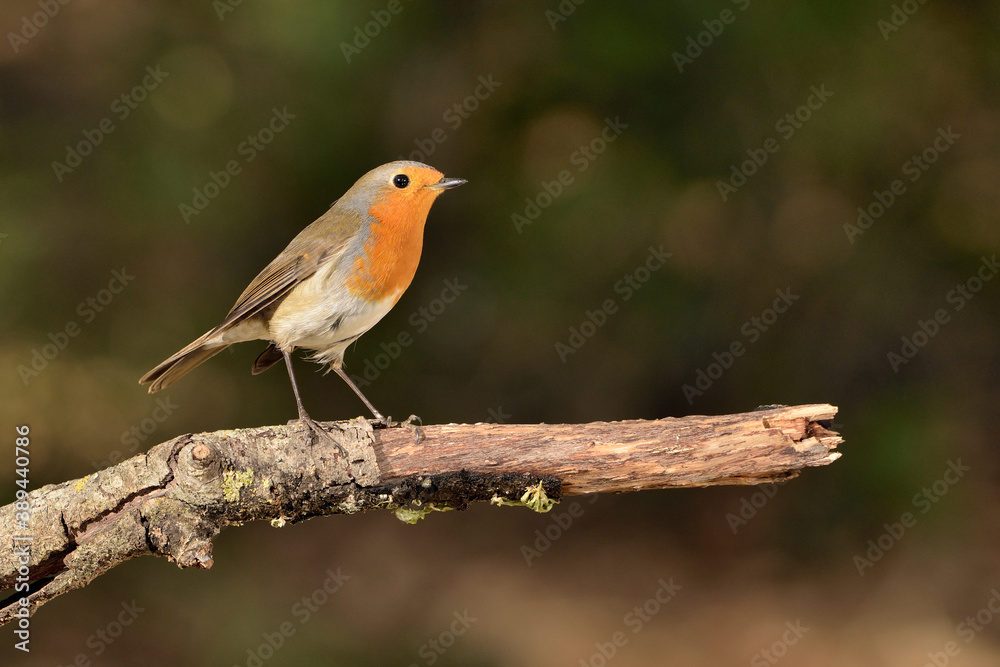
x,y
447,183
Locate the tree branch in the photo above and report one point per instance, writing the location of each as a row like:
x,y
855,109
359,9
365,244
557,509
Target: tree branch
x,y
174,499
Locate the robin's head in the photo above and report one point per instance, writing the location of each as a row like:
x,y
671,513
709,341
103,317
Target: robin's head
x,y
398,191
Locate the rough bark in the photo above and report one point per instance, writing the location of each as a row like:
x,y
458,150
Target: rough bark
x,y
174,499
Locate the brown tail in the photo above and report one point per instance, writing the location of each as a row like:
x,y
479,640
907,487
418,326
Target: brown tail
x,y
182,363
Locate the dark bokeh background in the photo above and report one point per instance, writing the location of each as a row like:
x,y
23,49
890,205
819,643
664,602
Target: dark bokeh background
x,y
491,354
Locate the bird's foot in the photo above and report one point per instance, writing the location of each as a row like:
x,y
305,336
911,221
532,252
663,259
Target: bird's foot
x,y
317,431
412,421
378,421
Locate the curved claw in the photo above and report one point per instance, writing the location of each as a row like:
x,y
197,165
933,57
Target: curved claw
x,y
412,421
318,430
387,422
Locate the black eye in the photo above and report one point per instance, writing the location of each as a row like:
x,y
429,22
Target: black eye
x,y
400,180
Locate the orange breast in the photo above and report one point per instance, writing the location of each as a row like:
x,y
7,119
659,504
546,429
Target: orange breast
x,y
392,249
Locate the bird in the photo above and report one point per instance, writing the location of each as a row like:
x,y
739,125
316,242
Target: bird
x,y
335,280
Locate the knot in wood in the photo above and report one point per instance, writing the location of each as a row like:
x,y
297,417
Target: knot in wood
x,y
200,462
200,453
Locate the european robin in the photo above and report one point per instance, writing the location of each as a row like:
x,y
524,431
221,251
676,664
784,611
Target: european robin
x,y
332,283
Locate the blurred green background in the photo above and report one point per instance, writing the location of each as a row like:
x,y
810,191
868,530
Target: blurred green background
x,y
841,99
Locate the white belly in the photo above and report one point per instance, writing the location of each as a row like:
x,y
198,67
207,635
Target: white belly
x,y
318,316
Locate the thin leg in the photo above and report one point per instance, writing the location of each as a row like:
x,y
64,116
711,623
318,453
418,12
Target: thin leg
x,y
295,387
347,379
308,421
413,420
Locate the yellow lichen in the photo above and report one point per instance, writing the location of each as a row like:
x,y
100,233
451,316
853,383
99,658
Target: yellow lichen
x,y
534,498
233,481
415,513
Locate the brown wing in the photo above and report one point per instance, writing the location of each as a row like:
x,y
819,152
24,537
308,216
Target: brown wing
x,y
320,243
307,252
